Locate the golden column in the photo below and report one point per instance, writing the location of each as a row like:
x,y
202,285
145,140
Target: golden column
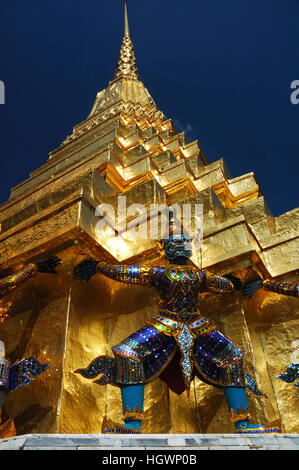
x,y
126,146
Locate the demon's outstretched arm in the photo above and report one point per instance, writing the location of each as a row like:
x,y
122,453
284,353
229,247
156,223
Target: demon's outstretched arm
x,y
12,282
291,289
129,274
221,284
283,288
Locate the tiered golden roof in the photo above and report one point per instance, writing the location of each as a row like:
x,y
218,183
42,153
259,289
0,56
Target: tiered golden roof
x,y
127,145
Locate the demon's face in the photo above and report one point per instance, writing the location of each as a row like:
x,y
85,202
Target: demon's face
x,y
177,246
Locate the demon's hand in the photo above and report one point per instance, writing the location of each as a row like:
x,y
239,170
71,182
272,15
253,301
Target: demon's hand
x,y
48,265
85,270
251,287
235,281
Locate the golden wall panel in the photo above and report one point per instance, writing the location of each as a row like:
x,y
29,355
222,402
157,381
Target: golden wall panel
x,y
184,412
83,401
274,333
157,411
37,327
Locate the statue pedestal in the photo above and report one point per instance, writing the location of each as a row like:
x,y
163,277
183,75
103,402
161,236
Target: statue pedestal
x,y
151,442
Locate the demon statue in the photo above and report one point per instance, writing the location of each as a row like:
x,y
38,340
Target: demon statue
x,y
12,376
292,372
177,344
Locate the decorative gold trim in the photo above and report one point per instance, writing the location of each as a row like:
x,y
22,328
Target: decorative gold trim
x,y
166,330
100,263
160,247
169,329
203,330
197,312
4,308
133,415
134,358
240,416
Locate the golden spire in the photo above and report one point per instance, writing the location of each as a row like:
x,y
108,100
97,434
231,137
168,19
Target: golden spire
x,y
126,65
127,30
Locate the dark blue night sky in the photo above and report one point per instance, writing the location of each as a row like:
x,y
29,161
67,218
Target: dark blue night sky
x,y
222,70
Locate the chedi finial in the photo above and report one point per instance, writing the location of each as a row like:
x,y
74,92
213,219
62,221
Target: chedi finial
x,y
127,29
126,66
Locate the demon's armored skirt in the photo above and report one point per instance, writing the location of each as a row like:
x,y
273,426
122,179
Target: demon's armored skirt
x,y
175,348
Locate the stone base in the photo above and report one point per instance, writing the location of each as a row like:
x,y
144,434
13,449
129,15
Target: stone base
x,y
149,442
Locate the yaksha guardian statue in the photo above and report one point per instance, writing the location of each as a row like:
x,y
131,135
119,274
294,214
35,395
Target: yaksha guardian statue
x,y
177,344
23,371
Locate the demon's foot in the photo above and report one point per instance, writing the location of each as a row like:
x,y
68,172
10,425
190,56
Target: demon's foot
x,y
110,427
